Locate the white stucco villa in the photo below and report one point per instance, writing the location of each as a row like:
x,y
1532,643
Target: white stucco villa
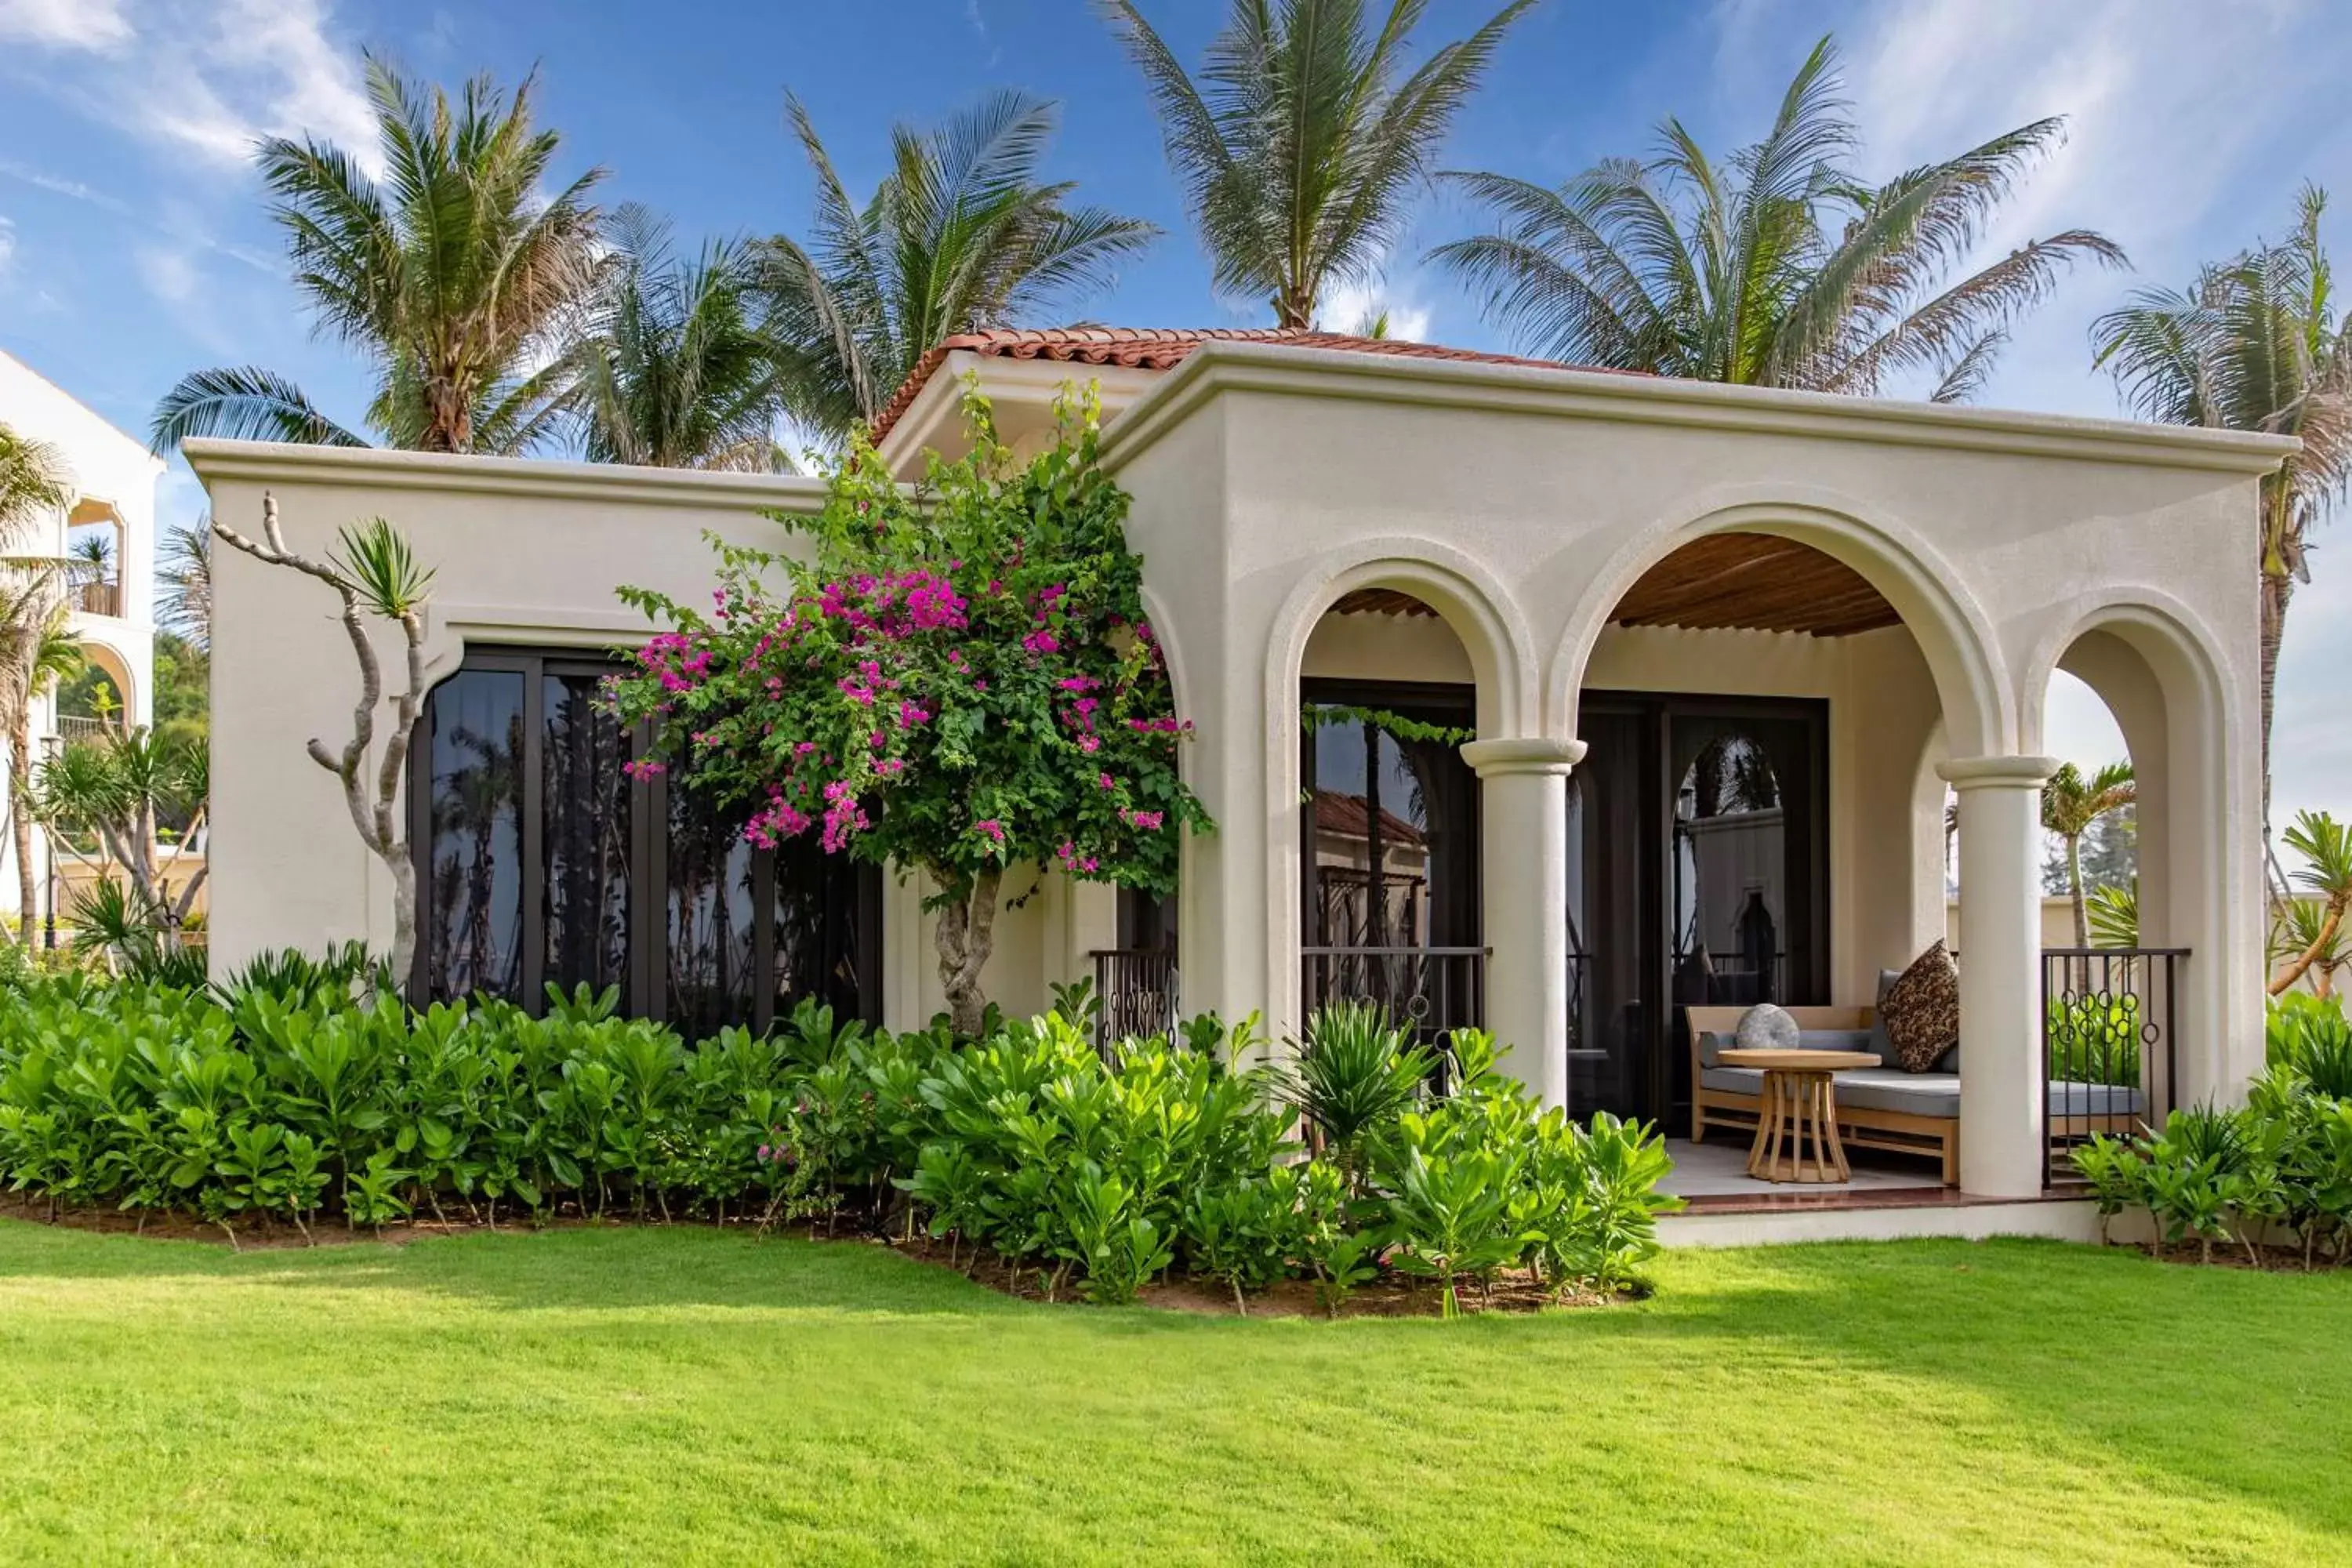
x,y
111,609
1723,649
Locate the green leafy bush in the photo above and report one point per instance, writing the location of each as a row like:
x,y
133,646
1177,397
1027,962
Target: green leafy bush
x,y
301,1087
2281,1164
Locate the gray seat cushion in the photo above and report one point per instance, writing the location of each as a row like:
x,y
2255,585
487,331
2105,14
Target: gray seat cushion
x,y
1931,1094
1890,1089
2095,1099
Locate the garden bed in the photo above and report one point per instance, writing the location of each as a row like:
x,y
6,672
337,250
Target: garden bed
x,y
1389,1296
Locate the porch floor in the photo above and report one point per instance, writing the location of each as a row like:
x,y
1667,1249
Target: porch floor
x,y
1715,1175
1888,1197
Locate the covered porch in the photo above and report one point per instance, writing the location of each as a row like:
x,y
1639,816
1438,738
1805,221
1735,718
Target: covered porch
x,y
1564,703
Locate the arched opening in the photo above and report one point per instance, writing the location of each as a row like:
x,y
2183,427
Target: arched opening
x,y
95,548
1749,824
1389,865
2140,994
101,698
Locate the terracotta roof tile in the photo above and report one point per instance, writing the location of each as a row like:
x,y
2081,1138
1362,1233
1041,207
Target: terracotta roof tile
x,y
1157,348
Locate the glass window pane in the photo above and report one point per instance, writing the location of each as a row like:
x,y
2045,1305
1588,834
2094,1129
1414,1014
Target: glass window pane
x,y
709,919
473,897
817,930
585,836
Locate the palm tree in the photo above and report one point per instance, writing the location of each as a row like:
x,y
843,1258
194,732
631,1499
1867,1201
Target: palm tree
x,y
35,486
452,274
1303,138
1775,266
184,569
2070,804
2327,874
670,370
37,651
2253,344
959,235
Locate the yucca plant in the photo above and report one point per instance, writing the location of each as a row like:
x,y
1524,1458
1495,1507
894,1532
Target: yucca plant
x,y
1351,1077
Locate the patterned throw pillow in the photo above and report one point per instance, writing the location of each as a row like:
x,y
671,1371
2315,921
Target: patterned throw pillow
x,y
1921,1010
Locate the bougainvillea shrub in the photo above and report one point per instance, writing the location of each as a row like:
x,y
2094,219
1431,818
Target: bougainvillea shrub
x,y
963,680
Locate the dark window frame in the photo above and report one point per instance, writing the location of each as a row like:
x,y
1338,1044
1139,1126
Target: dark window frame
x,y
645,989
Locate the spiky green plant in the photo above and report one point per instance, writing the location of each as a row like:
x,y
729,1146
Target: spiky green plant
x,y
1351,1077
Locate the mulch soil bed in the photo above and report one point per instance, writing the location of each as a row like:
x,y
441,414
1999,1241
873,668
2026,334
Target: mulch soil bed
x,y
1391,1296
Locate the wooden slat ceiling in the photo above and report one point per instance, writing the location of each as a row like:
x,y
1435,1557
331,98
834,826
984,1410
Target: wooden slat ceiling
x,y
1755,582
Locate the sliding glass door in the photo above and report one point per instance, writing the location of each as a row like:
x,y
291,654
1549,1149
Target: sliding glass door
x,y
540,861
1698,875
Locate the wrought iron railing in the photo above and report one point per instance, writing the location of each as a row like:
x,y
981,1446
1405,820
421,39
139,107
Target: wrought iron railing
x,y
1428,989
1137,988
75,727
2110,1022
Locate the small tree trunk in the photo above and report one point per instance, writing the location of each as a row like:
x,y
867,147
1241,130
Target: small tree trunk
x,y
966,937
2310,956
2075,889
2278,587
20,820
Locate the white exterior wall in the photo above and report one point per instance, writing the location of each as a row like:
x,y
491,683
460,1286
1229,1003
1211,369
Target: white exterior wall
x,y
1520,504
114,479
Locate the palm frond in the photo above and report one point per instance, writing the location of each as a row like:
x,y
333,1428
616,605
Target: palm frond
x,y
242,403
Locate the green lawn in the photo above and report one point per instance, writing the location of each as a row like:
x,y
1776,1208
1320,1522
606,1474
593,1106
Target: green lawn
x,y
638,1395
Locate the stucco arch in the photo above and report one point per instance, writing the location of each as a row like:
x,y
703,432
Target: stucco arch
x,y
1482,615
2194,744
116,667
1954,633
1469,598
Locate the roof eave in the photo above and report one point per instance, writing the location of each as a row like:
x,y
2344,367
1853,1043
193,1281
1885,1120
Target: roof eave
x,y
1656,400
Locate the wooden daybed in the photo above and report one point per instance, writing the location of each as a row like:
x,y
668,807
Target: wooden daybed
x,y
1860,1126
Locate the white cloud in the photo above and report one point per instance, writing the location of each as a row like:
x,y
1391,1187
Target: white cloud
x,y
210,76
96,25
170,274
1352,306
8,245
2182,119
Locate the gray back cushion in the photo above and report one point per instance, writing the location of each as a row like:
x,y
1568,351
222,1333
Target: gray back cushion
x,y
1711,1046
1837,1040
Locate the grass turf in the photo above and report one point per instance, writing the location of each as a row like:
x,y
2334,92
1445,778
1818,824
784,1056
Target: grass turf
x,y
683,1395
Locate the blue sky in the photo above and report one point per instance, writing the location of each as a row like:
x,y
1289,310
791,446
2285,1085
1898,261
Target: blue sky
x,y
133,245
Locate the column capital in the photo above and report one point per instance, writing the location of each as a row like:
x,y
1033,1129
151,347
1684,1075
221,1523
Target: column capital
x,y
1528,754
1997,773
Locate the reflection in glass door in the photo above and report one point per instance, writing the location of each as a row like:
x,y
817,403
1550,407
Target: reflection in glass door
x,y
1390,840
1697,874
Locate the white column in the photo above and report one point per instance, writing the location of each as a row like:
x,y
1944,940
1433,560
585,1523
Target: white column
x,y
1524,820
2003,1097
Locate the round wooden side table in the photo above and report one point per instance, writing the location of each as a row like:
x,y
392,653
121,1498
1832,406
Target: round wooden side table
x,y
1798,1108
